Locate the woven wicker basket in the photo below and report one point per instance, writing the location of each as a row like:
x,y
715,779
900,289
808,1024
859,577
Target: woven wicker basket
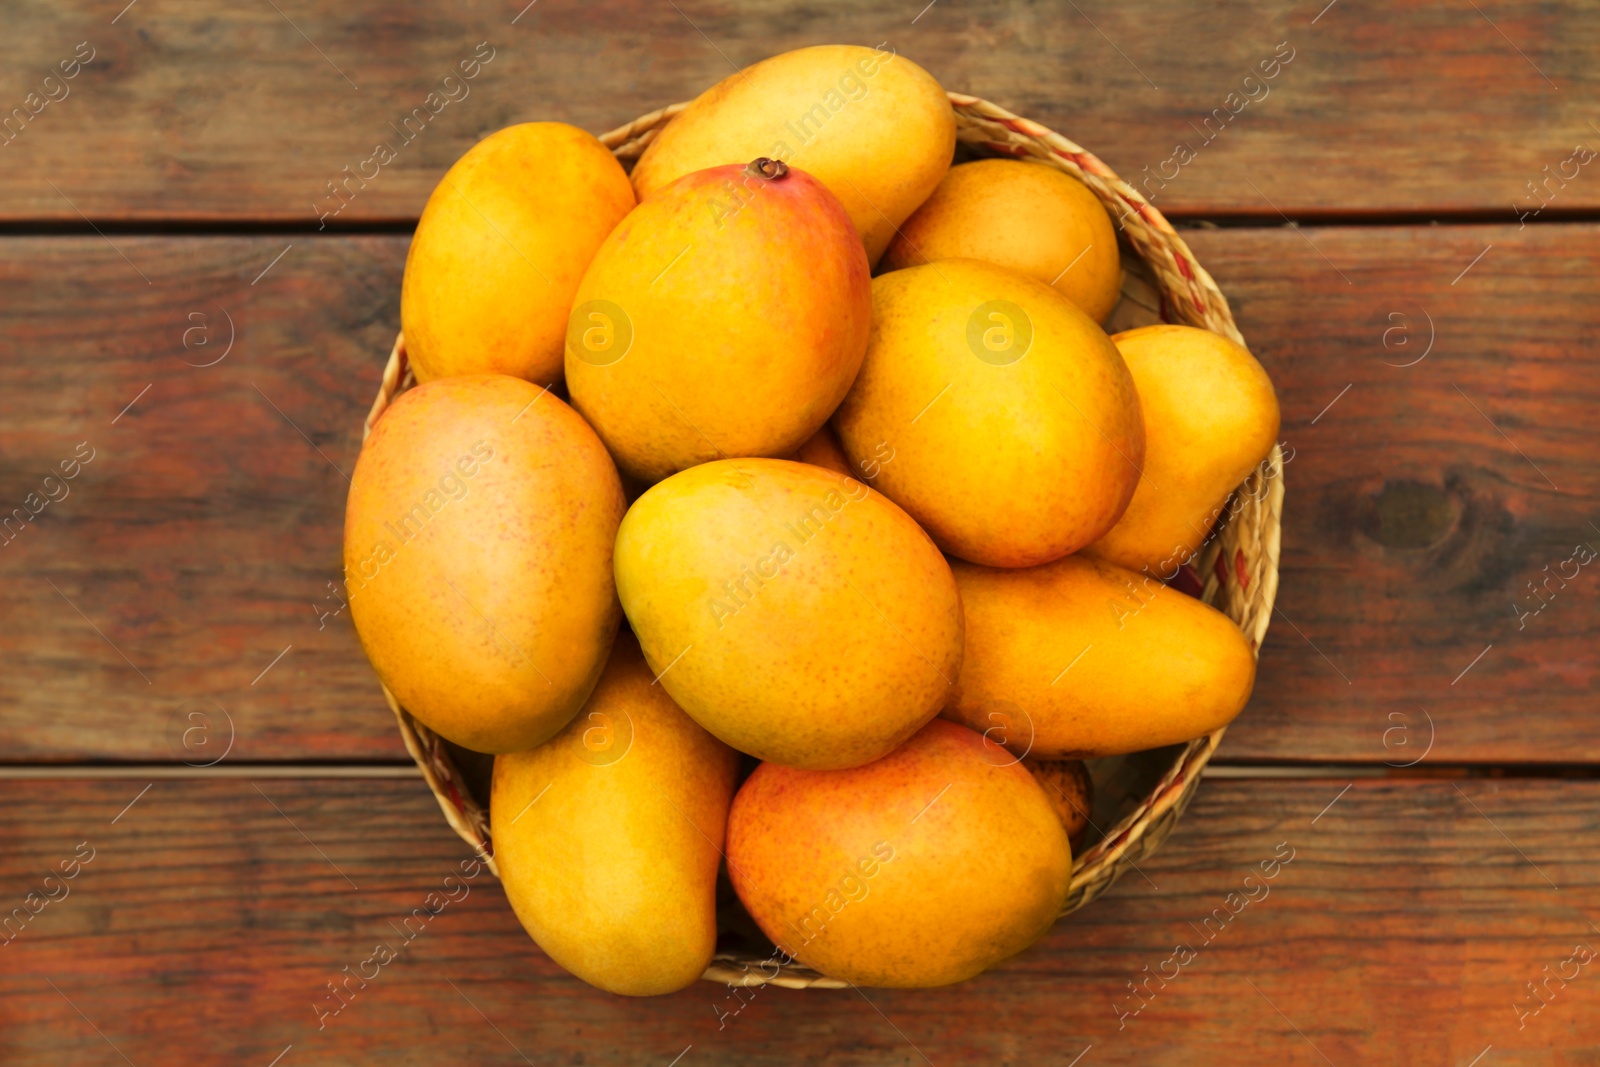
x,y
1138,798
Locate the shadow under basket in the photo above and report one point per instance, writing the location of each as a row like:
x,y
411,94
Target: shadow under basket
x,y
1138,798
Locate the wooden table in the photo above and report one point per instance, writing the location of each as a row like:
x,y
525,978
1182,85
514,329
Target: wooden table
x,y
186,733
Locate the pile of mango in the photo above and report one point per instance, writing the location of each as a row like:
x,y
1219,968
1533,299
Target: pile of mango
x,y
761,510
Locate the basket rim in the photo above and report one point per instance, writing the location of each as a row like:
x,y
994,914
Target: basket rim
x,y
1191,296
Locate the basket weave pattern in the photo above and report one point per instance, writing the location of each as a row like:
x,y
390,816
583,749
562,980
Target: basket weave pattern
x,y
1238,566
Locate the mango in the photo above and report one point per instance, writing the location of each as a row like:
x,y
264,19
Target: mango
x,y
790,610
1070,790
920,869
1210,415
703,331
609,835
1029,217
1095,659
1012,420
477,550
824,450
500,249
870,125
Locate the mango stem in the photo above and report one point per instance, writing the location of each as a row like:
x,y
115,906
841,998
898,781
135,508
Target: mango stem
x,y
773,170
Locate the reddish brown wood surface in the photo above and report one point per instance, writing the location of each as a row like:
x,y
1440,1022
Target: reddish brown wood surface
x,y
1440,408
198,544
203,111
199,541
171,602
212,916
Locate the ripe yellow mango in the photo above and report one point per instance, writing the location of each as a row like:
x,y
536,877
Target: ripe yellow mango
x,y
1013,423
794,613
824,450
705,331
500,248
921,869
1081,658
608,836
1035,219
477,551
1069,788
1210,415
872,126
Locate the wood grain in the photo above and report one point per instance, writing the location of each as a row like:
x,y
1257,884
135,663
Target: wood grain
x,y
1401,930
195,546
197,541
200,110
1424,498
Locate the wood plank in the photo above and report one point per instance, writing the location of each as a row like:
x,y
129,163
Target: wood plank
x,y
202,110
1423,499
206,527
197,544
1402,929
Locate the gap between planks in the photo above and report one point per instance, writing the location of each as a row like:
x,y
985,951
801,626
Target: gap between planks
x,y
148,771
1215,769
404,226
